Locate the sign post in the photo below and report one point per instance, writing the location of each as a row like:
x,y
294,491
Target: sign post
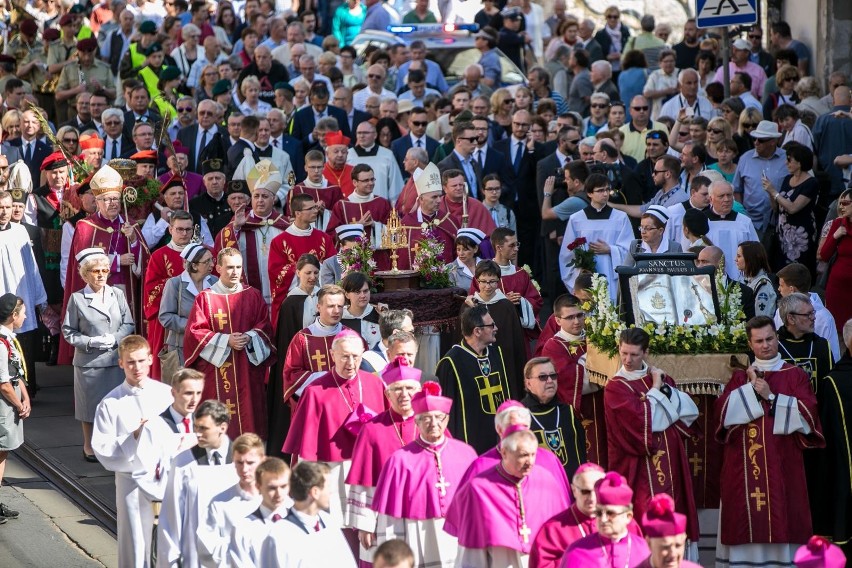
x,y
721,14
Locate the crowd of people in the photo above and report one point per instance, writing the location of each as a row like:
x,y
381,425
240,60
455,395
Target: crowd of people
x,y
178,182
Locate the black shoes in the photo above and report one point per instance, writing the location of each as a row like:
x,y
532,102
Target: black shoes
x,y
7,513
91,458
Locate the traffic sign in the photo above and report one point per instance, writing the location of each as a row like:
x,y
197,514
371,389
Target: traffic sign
x,y
714,13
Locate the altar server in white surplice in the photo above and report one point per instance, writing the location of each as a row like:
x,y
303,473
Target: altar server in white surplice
x,y
607,231
124,442
233,504
198,474
307,536
272,478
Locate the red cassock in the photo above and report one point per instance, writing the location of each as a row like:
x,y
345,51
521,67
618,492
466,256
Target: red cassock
x,y
407,201
95,231
652,462
340,178
550,328
345,212
327,195
705,454
284,254
378,439
307,354
318,431
477,215
237,383
561,531
763,486
566,358
442,229
165,262
229,237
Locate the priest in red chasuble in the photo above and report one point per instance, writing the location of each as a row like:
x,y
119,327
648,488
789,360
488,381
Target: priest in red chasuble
x,y
165,262
119,238
567,350
496,515
228,338
767,416
426,219
647,420
378,439
325,193
458,205
297,239
252,231
362,206
331,413
336,170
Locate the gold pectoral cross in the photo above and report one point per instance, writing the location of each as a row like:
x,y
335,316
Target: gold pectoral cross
x,y
221,318
696,464
758,496
319,359
230,406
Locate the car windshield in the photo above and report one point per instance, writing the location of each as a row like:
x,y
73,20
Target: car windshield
x,y
453,63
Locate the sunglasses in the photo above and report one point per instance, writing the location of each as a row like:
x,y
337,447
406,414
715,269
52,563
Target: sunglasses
x,y
598,105
754,37
112,123
419,123
374,76
612,17
716,130
69,140
184,109
763,140
639,109
546,377
468,138
749,125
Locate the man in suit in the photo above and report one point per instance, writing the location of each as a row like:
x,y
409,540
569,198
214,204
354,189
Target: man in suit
x,y
553,229
522,155
116,144
197,136
343,100
248,136
198,474
279,138
33,151
416,138
305,119
490,160
82,120
139,111
461,158
187,385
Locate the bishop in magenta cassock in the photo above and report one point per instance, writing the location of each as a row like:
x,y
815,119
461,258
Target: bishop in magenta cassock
x,y
575,522
362,207
665,533
228,338
120,240
378,439
648,419
767,417
496,515
511,413
165,263
567,350
425,219
252,232
613,544
331,413
297,239
417,484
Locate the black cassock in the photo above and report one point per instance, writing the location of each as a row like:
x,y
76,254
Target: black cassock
x,y
510,339
831,500
478,386
559,429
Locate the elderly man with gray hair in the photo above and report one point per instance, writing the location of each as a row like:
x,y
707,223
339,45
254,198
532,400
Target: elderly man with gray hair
x,y
797,342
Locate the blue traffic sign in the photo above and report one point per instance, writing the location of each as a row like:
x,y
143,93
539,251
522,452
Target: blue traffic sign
x,y
713,13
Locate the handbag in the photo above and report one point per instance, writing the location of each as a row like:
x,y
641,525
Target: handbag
x,y
169,360
822,280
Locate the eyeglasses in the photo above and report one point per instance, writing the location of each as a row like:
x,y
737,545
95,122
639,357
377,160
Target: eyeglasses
x,y
493,188
546,377
601,190
809,315
99,271
643,229
183,229
660,171
583,492
419,123
109,199
749,125
112,123
521,124
609,513
573,140
573,317
599,105
640,109
368,180
612,17
211,74
491,325
683,132
716,130
374,76
205,113
488,282
69,140
184,110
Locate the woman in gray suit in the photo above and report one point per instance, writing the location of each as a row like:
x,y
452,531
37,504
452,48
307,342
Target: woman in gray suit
x,y
96,320
179,294
652,228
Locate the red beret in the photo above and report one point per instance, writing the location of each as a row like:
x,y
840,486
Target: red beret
x,y
50,34
88,44
54,161
66,20
28,27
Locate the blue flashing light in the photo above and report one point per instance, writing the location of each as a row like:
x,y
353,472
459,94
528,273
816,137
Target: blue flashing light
x,y
432,28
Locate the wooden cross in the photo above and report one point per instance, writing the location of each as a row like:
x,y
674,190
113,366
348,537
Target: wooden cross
x,y
442,485
319,359
758,496
221,318
696,464
489,390
230,406
524,532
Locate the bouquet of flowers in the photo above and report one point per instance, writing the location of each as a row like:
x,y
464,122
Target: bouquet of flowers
x,y
427,261
584,259
358,258
604,325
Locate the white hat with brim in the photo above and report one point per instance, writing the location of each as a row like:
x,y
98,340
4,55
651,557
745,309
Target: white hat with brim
x,y
766,129
742,44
